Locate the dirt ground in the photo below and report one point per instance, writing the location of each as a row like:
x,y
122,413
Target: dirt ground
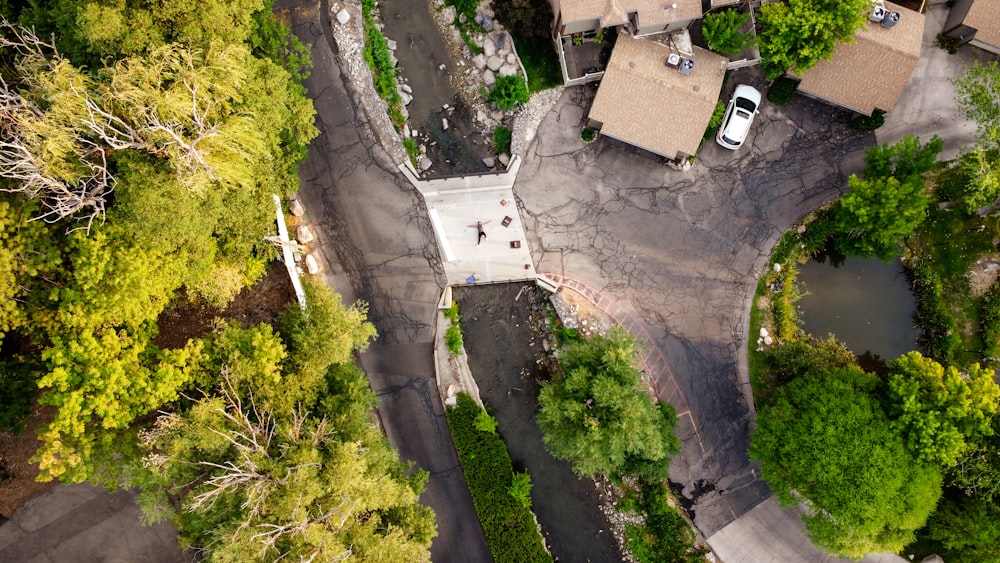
x,y
262,303
505,337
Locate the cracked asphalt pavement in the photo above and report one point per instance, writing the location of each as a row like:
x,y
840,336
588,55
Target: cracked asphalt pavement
x,y
686,249
378,246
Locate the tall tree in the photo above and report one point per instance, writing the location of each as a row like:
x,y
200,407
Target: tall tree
x,y
940,410
827,443
797,34
599,416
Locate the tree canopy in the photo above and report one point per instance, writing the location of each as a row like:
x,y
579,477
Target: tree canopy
x,y
797,34
977,91
599,416
827,442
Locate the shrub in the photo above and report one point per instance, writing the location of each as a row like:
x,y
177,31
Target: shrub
x,y
722,32
510,529
782,90
412,149
485,423
938,337
453,335
990,322
587,134
869,123
665,535
509,92
17,391
520,489
501,139
379,60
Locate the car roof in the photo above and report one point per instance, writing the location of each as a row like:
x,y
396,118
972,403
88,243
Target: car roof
x,y
748,92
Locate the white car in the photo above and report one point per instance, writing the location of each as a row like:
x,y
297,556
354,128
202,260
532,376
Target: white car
x,y
739,116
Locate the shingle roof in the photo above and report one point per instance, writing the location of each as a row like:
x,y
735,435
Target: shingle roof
x,y
984,16
871,72
645,103
615,12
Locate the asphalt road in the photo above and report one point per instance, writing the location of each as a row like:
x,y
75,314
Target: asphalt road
x,y
380,249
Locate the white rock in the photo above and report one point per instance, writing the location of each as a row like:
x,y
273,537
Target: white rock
x,y
406,88
295,206
442,66
444,124
451,390
768,340
423,148
450,401
414,133
777,267
480,114
504,159
406,130
391,43
343,16
510,58
489,79
304,234
489,161
448,14
489,48
423,162
446,106
479,61
405,97
508,70
312,266
494,62
763,331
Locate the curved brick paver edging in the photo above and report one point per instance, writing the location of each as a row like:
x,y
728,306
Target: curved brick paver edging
x,y
654,361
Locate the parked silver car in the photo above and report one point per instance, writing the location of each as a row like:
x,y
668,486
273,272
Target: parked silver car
x,y
739,117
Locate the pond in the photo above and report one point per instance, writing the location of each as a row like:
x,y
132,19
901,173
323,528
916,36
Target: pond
x,y
866,303
501,324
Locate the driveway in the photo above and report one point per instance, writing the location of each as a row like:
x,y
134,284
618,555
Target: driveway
x,y
685,249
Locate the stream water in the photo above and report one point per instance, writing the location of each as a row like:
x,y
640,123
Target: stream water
x,y
866,303
421,52
503,347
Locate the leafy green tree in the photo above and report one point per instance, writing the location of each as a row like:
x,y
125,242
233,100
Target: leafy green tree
x,y
722,31
970,527
904,159
877,214
939,409
800,33
826,442
977,91
599,416
264,478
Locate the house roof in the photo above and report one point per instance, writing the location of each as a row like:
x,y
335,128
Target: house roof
x,y
615,12
871,72
645,103
984,15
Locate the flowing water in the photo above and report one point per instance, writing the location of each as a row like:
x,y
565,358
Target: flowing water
x,y
866,303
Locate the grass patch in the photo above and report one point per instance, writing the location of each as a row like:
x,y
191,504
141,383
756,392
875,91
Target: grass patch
x,y
501,139
497,492
538,55
665,535
412,149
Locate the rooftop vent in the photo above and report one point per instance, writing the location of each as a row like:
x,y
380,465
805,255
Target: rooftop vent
x,y
687,65
877,15
673,60
891,19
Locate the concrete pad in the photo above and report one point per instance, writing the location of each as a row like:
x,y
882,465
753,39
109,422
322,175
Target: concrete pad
x,y
740,541
927,106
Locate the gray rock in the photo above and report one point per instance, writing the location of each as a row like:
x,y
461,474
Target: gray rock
x,y
496,115
423,148
487,23
494,63
462,19
489,79
343,16
489,161
510,58
406,88
480,114
391,43
448,13
405,97
501,40
504,159
479,18
444,124
508,70
423,162
406,130
489,49
295,206
304,234
479,61
466,52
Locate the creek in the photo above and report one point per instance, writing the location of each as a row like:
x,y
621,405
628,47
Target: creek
x,y
866,303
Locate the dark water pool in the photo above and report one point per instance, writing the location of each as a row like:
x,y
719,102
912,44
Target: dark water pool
x,y
866,303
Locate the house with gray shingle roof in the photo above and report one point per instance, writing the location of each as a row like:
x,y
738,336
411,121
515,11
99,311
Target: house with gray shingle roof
x,y
871,72
641,17
976,22
646,103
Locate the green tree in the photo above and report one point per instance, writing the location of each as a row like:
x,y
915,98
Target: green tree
x,y
977,91
722,31
800,33
877,214
256,477
599,416
827,443
937,409
970,527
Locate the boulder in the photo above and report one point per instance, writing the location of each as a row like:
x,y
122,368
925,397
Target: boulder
x,y
406,88
462,19
504,159
312,265
494,63
480,114
391,43
295,206
763,332
487,23
343,16
489,79
405,97
406,130
423,162
489,48
479,61
501,40
490,162
508,70
510,58
444,124
448,13
304,234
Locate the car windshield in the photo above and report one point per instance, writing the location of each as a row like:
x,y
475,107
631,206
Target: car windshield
x,y
746,104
